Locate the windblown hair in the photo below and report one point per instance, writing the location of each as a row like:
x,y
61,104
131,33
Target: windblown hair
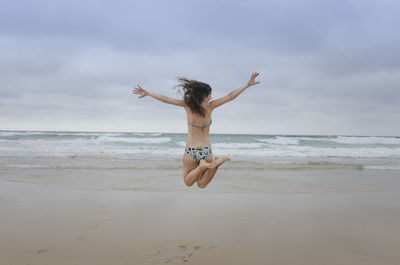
x,y
194,93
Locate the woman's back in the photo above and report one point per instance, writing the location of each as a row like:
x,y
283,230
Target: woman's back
x,y
198,127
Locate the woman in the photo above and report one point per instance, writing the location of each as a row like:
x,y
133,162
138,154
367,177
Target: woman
x,y
198,163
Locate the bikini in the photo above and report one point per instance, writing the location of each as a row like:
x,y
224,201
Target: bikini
x,y
198,153
202,127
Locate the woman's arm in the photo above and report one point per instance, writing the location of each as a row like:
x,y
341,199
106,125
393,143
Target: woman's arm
x,y
139,90
235,93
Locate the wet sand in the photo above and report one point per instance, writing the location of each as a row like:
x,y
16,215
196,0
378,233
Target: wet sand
x,y
317,219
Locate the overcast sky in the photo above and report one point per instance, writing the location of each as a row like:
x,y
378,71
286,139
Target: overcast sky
x,y
326,67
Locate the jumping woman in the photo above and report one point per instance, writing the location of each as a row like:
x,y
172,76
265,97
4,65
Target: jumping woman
x,y
198,162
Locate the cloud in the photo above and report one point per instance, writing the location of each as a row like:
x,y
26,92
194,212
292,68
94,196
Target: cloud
x,y
334,63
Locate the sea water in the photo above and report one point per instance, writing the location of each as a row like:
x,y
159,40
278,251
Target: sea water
x,y
56,149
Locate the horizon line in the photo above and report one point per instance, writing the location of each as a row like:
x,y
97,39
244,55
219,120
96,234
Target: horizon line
x,y
269,134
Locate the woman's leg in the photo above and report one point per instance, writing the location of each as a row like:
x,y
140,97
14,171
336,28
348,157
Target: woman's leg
x,y
192,171
209,173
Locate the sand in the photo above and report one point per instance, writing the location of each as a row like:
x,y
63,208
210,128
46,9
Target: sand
x,y
320,217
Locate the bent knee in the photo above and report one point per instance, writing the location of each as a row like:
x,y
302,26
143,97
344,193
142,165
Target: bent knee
x,y
201,186
188,183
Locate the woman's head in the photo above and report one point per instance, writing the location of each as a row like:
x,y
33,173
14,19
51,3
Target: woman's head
x,y
194,93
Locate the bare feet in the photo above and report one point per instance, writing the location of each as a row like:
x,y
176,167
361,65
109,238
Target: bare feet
x,y
205,164
220,160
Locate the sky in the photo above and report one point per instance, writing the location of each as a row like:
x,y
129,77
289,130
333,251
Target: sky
x,y
326,67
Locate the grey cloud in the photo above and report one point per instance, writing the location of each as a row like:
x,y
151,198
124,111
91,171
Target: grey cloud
x,y
319,60
285,26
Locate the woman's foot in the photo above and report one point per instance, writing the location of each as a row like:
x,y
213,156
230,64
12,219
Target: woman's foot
x,y
203,163
220,160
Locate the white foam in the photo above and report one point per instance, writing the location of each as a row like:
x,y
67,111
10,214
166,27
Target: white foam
x,y
169,151
145,140
229,145
27,166
148,134
307,151
238,145
280,140
384,167
366,140
181,143
11,133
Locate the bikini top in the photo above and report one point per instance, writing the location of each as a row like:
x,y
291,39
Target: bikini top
x,y
202,127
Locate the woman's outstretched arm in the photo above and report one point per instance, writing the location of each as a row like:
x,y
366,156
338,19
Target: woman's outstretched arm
x,y
231,96
140,91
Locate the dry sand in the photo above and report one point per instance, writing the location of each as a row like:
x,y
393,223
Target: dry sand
x,y
50,225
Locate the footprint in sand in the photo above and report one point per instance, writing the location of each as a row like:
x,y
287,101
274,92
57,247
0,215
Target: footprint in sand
x,y
81,237
43,250
175,255
94,226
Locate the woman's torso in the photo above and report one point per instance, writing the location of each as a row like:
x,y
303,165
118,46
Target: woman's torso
x,y
196,136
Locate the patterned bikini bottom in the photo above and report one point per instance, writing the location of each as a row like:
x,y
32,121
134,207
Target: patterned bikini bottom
x,y
198,153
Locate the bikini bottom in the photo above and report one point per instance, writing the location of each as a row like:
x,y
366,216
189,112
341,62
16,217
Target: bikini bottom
x,y
198,153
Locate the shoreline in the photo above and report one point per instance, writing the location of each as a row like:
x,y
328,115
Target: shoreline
x,y
154,176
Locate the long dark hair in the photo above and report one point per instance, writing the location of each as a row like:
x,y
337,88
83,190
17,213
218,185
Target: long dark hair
x,y
194,93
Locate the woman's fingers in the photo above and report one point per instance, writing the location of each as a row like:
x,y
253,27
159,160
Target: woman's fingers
x,y
253,78
254,75
140,91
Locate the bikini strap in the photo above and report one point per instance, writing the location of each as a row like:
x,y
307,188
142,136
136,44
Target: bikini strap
x,y
202,127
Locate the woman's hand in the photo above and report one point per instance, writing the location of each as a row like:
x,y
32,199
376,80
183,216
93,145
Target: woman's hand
x,y
139,90
252,81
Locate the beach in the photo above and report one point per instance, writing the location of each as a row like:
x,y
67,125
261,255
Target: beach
x,y
60,206
324,216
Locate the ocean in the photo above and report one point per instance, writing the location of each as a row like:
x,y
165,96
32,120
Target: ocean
x,y
57,149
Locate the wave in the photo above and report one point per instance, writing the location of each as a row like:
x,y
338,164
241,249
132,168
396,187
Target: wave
x,y
144,140
148,144
50,133
384,167
238,145
306,151
93,139
280,140
229,145
366,140
40,134
181,143
147,134
157,146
